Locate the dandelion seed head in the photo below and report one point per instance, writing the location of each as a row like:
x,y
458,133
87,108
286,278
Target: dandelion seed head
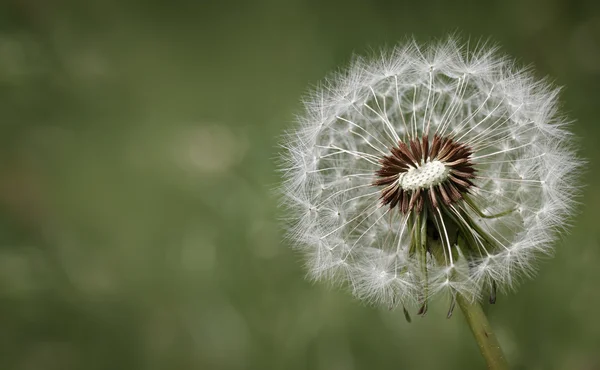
x,y
428,169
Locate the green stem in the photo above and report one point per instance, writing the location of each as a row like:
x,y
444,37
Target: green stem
x,y
480,327
482,331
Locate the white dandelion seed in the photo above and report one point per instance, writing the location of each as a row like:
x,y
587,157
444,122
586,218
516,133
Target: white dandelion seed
x,y
428,170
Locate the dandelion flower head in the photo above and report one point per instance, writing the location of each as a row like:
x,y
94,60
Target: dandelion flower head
x,y
428,169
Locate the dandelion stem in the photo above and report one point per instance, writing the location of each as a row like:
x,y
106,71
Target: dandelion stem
x,y
482,331
478,322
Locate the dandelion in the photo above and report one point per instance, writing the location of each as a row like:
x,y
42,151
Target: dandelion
x,y
428,170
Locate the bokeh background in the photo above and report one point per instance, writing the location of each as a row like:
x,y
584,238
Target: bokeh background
x,y
137,224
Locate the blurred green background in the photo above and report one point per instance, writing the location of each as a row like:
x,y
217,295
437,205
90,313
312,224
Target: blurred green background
x,y
137,224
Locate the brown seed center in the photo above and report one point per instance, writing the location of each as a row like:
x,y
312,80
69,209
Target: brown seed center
x,y
422,173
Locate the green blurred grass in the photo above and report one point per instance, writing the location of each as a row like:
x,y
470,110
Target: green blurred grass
x,y
137,224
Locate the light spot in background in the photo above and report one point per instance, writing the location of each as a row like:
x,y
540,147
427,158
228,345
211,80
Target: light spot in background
x,y
92,271
585,44
11,53
160,331
198,253
263,236
87,64
209,150
96,279
335,355
221,335
22,57
545,14
507,341
18,57
578,357
16,275
50,356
